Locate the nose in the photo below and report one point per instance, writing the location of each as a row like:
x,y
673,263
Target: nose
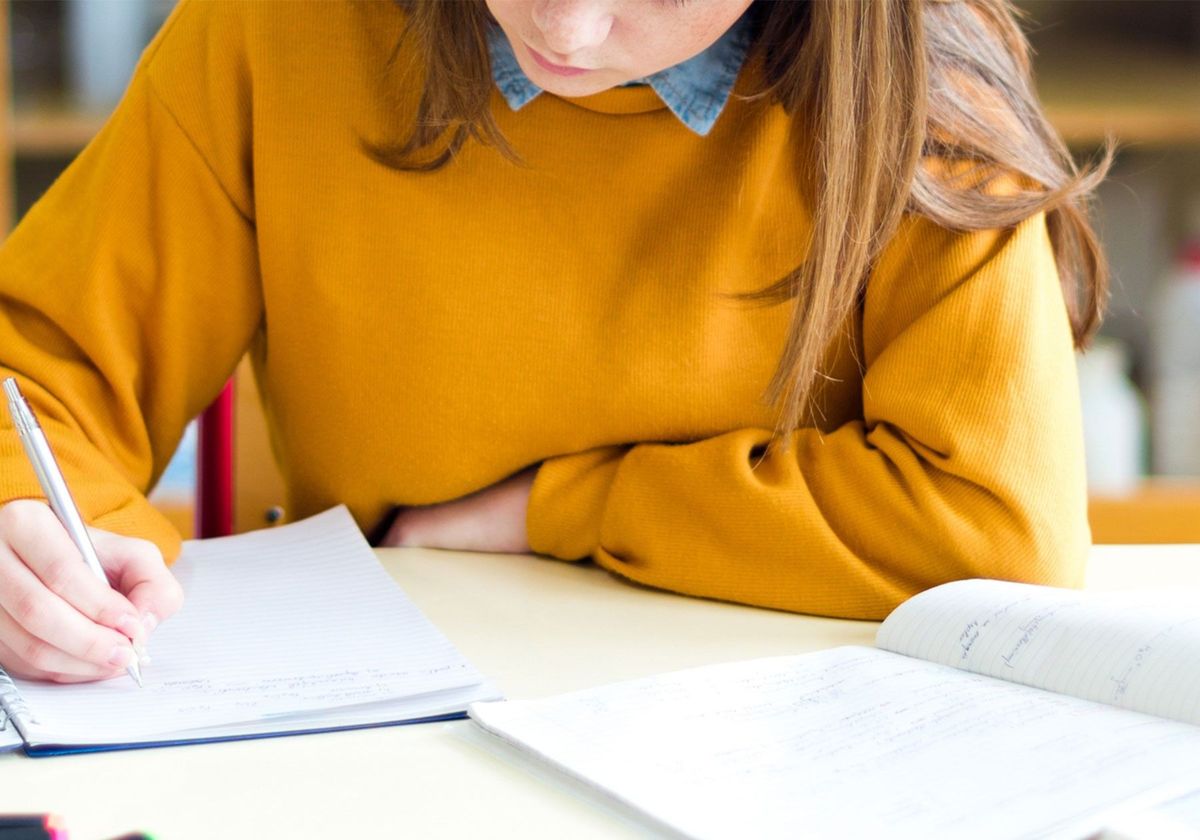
x,y
569,26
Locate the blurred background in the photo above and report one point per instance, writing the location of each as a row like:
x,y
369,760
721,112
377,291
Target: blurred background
x,y
1129,68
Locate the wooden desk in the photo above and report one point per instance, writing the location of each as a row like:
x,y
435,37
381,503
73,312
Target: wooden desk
x,y
536,627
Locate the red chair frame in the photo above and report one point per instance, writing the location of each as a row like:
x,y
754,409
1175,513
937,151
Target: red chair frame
x,y
214,460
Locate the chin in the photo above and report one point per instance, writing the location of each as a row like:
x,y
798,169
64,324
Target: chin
x,y
572,88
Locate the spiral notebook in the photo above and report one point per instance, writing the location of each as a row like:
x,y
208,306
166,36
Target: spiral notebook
x,y
290,630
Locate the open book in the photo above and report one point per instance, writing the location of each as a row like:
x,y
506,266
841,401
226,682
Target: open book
x,y
986,709
288,630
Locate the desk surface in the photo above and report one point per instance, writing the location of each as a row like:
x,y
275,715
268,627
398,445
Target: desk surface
x,y
535,627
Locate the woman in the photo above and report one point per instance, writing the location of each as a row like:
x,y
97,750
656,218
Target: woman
x,y
767,302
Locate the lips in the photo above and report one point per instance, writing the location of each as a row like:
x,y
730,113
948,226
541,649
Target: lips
x,y
551,67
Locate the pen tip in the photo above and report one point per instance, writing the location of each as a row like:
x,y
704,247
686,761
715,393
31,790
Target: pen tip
x,y
136,673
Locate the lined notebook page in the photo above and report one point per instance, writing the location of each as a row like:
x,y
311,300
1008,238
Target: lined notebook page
x,y
854,742
275,622
1133,650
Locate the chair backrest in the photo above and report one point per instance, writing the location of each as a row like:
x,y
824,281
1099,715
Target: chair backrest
x,y
214,467
238,486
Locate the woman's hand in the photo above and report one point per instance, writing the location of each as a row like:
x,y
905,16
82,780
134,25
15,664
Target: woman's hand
x,y
491,520
58,622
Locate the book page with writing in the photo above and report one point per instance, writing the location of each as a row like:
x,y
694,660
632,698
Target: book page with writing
x,y
1132,650
1184,811
291,620
854,742
1178,819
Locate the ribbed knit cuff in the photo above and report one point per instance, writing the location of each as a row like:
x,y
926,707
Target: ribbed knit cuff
x,y
125,510
566,503
139,518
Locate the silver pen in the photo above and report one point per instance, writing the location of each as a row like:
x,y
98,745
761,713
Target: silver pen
x,y
55,488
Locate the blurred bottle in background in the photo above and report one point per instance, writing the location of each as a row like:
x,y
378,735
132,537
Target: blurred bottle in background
x,y
1175,361
1114,420
104,39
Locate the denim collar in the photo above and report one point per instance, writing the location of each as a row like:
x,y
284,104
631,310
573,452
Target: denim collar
x,y
695,90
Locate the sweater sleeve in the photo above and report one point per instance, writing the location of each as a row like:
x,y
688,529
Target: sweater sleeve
x,y
130,290
967,462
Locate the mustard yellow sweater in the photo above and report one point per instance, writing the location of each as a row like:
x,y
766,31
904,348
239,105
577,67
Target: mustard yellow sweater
x,y
418,337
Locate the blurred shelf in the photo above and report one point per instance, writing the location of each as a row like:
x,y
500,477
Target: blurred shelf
x,y
1137,125
1142,95
52,132
1162,510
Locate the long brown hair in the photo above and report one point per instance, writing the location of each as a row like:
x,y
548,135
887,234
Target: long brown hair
x,y
884,85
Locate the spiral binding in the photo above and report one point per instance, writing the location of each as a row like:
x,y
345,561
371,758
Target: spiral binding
x,y
12,703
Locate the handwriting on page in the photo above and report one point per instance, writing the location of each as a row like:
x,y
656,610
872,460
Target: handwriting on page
x,y
849,742
118,711
1138,651
283,695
